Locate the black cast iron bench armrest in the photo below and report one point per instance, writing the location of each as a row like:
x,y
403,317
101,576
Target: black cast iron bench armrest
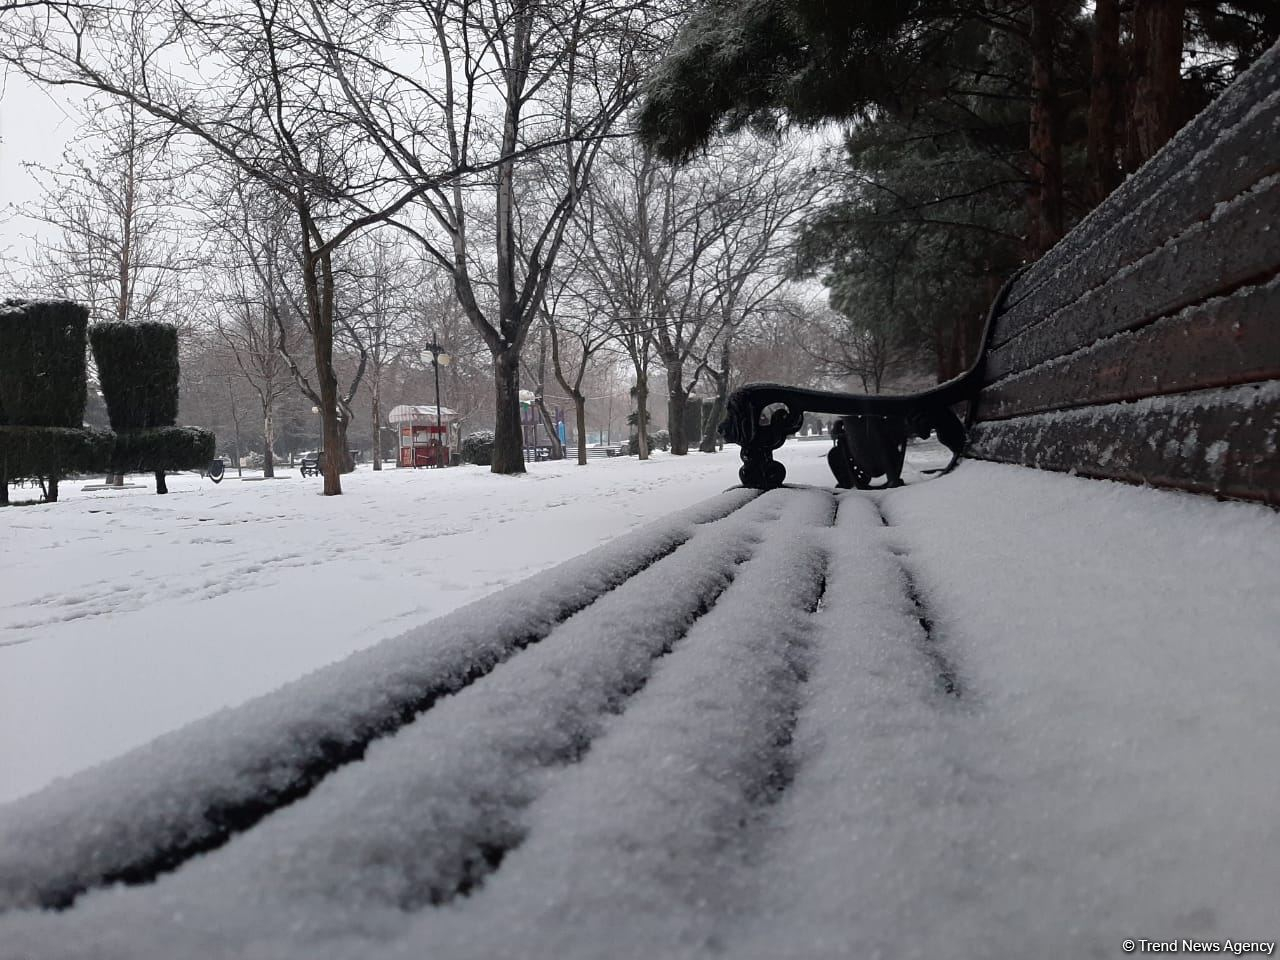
x,y
882,423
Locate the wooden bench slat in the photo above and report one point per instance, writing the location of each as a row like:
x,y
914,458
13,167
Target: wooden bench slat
x,y
1221,441
1210,258
189,792
1218,155
1184,352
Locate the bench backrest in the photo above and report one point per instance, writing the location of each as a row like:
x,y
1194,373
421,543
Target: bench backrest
x,y
1145,346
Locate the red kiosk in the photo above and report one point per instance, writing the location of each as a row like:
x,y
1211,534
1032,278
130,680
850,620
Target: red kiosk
x,y
424,434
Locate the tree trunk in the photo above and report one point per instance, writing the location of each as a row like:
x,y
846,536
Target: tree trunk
x,y
712,434
4,483
1156,111
939,353
677,400
161,485
235,421
642,416
1105,94
580,424
553,435
708,442
319,289
557,448
508,446
1044,198
51,491
346,462
377,421
268,442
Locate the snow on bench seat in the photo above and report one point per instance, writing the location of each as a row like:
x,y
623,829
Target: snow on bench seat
x,y
1000,713
1110,767
188,790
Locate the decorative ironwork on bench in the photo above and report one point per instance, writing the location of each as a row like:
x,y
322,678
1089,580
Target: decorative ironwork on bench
x,y
870,438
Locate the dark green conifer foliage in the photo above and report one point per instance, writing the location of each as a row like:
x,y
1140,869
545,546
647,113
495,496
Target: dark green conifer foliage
x,y
138,373
934,206
162,448
477,447
30,452
739,63
42,381
42,395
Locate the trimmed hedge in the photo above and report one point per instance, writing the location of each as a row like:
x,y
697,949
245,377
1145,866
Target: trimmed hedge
x,y
30,452
42,381
162,448
477,448
138,373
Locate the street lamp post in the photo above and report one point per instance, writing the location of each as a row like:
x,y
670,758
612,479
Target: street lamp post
x,y
438,357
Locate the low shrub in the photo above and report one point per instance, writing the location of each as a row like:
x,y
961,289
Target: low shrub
x,y
50,453
31,452
162,448
633,443
477,448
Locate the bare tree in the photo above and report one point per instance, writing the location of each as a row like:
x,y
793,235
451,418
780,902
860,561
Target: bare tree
x,y
380,319
577,341
614,274
748,266
578,334
466,383
248,325
254,83
528,91
538,375
693,251
112,206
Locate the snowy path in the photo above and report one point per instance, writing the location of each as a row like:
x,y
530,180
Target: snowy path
x,y
999,714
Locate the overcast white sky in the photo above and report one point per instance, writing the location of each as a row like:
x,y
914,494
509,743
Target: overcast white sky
x,y
35,126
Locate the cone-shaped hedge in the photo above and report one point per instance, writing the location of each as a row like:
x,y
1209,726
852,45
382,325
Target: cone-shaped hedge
x,y
138,373
42,382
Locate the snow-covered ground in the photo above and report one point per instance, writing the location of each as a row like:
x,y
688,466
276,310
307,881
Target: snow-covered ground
x,y
124,615
1003,713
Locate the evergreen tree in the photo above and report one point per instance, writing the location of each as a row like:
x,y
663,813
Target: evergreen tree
x,y
979,132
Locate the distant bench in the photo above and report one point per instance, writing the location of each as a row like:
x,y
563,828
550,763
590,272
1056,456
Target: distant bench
x,y
312,466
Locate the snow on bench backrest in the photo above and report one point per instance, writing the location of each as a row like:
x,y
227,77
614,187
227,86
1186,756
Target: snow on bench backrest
x,y
1145,346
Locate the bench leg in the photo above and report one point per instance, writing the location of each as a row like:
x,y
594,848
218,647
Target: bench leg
x,y
759,471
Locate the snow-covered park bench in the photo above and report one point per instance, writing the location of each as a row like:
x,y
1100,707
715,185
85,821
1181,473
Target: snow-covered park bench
x,y
1006,712
1144,347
